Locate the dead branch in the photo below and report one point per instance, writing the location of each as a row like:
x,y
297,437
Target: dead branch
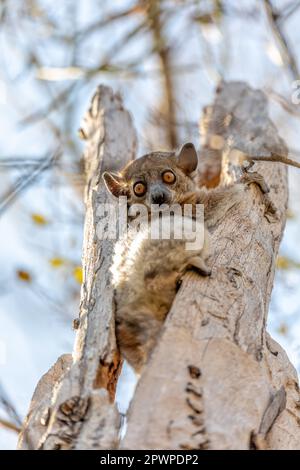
x,y
163,51
287,55
216,379
79,409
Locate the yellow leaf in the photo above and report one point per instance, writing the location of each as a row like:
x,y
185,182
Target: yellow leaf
x,y
290,214
283,263
283,329
24,276
56,262
39,219
78,274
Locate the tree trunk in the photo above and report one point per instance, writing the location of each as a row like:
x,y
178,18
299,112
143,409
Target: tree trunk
x,y
77,410
216,379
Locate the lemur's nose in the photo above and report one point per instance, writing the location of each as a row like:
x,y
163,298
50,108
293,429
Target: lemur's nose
x,y
158,198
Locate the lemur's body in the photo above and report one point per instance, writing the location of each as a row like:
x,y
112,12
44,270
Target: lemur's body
x,y
145,274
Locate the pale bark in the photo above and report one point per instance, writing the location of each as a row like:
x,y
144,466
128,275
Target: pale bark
x,y
216,379
79,408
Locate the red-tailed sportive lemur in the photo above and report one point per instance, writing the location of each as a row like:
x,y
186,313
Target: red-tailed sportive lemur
x,y
146,271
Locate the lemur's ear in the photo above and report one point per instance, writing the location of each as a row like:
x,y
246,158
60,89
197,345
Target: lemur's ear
x,y
187,158
114,183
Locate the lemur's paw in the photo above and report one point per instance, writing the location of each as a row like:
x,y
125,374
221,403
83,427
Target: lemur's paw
x,y
271,212
256,178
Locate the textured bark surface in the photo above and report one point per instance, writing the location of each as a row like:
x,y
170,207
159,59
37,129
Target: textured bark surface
x,y
80,408
39,411
216,379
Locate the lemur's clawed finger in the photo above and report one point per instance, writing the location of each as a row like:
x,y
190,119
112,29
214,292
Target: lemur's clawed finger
x,y
256,178
198,264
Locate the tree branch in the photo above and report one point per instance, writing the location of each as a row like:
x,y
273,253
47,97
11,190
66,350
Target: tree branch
x,y
223,368
163,51
78,404
288,57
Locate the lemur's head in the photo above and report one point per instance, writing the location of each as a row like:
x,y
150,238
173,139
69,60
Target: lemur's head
x,y
156,178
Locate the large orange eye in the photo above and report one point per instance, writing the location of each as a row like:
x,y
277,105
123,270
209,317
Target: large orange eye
x,y
168,177
139,189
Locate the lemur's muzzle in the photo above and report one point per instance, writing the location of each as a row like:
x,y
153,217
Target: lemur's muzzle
x,y
159,195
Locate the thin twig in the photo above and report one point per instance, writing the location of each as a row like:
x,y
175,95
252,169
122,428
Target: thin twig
x,y
97,25
288,57
275,158
8,407
58,101
9,425
24,182
289,11
284,103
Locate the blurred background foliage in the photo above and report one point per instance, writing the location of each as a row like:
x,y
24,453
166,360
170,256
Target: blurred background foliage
x,y
166,58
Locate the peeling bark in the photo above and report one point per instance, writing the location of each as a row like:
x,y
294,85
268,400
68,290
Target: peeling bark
x,y
80,406
39,412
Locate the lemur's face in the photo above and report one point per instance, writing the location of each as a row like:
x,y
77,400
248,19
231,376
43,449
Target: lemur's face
x,y
156,178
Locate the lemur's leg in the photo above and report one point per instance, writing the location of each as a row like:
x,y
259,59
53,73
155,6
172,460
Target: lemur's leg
x,y
137,336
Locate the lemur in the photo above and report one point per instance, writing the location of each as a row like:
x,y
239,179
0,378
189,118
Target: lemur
x,y
146,271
